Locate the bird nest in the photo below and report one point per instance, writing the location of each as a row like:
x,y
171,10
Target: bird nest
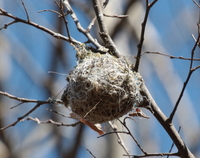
x,y
101,87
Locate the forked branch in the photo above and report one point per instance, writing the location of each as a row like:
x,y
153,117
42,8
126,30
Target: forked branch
x,y
103,29
81,29
40,27
140,45
191,70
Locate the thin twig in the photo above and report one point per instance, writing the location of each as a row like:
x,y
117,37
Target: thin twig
x,y
170,56
50,121
194,38
196,3
140,45
24,100
103,29
105,3
53,11
183,150
185,83
154,154
120,140
104,6
195,68
116,16
91,153
54,34
108,133
170,150
6,25
16,105
56,112
129,133
81,29
64,19
25,11
91,24
22,117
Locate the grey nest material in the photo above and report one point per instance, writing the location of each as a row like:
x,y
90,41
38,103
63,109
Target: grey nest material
x,y
102,87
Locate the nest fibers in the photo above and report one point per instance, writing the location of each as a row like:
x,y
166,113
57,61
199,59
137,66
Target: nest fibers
x,y
101,87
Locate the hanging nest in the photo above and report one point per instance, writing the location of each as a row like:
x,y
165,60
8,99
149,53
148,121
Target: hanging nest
x,y
101,87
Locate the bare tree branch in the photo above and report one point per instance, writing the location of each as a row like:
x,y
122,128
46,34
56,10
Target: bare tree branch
x,y
120,140
196,3
186,81
8,24
91,153
103,29
170,56
170,150
105,3
25,10
22,117
64,19
56,112
129,133
155,154
50,121
140,45
81,29
184,152
54,34
91,24
195,68
116,16
24,100
53,11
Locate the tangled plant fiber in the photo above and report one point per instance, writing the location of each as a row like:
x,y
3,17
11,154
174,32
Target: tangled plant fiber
x,y
101,87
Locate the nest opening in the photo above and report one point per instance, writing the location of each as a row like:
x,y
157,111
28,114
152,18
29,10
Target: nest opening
x,y
101,87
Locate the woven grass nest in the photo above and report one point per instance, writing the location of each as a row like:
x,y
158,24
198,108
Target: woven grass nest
x,y
101,87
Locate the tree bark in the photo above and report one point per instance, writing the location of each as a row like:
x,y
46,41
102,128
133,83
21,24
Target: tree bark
x,y
183,150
